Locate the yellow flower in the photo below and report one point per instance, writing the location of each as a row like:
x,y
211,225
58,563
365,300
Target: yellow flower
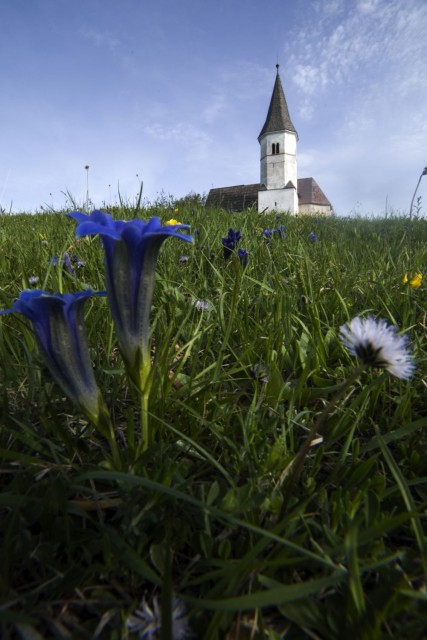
x,y
176,210
172,222
416,281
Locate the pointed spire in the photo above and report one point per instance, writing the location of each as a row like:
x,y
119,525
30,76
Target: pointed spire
x,y
278,118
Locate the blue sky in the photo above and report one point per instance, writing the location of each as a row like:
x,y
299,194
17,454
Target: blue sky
x,y
175,92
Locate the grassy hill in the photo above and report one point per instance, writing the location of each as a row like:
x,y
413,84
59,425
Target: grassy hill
x,y
216,522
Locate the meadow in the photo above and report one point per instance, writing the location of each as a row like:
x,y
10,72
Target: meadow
x,y
196,515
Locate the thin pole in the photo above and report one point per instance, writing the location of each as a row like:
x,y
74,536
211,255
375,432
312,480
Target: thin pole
x,y
424,173
87,186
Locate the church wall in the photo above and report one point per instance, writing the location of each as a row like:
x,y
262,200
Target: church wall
x,y
315,209
278,200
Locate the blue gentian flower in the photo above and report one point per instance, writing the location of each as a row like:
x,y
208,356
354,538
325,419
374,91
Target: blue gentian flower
x,y
58,324
230,242
243,257
312,237
131,252
280,231
76,262
67,264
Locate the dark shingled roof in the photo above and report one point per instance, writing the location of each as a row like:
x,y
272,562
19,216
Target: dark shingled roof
x,y
278,118
238,198
309,192
245,196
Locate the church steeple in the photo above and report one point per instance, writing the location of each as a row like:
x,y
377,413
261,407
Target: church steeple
x,y
278,118
278,146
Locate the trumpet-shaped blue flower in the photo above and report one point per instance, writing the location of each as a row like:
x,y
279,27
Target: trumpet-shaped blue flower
x,y
66,262
131,252
58,325
230,242
279,231
243,255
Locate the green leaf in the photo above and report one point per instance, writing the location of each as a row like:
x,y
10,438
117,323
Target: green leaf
x,y
270,597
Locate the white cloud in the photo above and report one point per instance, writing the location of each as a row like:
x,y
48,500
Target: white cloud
x,y
374,36
367,6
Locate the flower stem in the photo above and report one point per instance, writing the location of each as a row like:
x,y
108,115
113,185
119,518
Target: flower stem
x,y
145,389
315,429
104,425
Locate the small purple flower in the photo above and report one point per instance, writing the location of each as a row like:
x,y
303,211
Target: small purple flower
x,y
67,264
279,231
183,259
201,305
78,264
243,257
66,261
32,280
230,242
312,237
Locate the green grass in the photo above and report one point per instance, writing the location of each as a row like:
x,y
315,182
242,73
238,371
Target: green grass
x,y
235,392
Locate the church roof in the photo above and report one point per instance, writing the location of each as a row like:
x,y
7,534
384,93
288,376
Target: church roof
x,y
245,196
309,192
278,118
237,198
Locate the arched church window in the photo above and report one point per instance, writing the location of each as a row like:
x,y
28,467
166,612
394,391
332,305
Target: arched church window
x,y
275,148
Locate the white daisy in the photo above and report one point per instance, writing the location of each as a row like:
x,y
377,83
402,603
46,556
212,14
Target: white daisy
x,y
147,621
377,344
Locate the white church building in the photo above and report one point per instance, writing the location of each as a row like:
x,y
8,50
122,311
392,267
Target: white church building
x,y
279,188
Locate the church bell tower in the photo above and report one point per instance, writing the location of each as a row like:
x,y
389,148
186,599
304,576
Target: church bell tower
x,y
278,142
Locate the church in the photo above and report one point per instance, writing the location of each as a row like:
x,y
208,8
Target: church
x,y
279,189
